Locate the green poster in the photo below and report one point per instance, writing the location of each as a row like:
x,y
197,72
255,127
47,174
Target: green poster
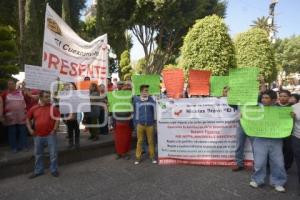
x,y
217,83
120,101
152,80
244,86
267,121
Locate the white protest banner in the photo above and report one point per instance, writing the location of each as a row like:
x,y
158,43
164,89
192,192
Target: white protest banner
x,y
74,101
64,51
39,78
199,131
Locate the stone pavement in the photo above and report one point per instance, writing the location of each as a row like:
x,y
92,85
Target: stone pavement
x,y
106,178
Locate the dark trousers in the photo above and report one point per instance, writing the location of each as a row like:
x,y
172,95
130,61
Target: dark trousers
x,y
103,121
73,127
288,152
296,150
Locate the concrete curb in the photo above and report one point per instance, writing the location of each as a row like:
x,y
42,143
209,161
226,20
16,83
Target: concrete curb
x,y
65,156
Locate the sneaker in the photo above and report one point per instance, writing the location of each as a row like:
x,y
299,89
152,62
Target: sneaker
x,y
253,184
32,176
154,161
137,162
237,168
279,188
55,174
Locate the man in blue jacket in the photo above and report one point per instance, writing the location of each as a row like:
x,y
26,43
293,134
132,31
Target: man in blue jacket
x,y
144,112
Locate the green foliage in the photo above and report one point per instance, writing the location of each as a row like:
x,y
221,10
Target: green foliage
x,y
34,24
66,13
262,23
9,13
163,22
8,55
56,5
125,67
33,33
253,49
113,18
208,46
287,54
88,29
140,66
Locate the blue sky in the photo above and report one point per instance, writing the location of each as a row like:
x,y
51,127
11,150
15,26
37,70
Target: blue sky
x,y
241,13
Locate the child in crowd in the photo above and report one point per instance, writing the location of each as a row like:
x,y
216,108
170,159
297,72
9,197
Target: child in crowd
x,y
268,148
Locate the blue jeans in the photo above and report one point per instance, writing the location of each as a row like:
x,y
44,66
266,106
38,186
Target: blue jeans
x,y
241,138
272,148
17,131
39,145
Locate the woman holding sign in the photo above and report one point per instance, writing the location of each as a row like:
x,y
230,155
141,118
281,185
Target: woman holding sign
x,y
123,129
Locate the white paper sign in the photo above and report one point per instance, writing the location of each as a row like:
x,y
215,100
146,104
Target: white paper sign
x,y
74,101
39,78
198,131
72,57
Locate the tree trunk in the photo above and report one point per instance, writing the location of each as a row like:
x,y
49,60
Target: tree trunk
x,y
99,18
21,12
66,12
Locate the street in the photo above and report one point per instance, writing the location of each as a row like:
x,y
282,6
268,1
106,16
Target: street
x,y
107,178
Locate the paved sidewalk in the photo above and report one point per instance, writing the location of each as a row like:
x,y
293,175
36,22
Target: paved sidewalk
x,y
109,179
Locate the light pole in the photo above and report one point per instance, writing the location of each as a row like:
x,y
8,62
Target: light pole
x,y
272,33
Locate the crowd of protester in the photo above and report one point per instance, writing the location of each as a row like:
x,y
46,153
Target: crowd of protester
x,y
26,112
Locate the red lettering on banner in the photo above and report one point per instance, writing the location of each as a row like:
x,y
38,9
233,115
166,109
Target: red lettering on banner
x,y
53,60
63,65
90,71
66,67
73,71
81,69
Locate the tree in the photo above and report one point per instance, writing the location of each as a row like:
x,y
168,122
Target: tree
x,y
253,49
160,25
88,29
34,31
287,54
71,12
66,12
8,54
75,8
208,46
262,22
140,66
125,67
113,18
9,13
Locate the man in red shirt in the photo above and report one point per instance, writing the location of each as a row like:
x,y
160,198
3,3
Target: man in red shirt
x,y
45,119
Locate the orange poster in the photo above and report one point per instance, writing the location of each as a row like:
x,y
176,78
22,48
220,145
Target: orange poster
x,y
199,82
85,85
174,82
